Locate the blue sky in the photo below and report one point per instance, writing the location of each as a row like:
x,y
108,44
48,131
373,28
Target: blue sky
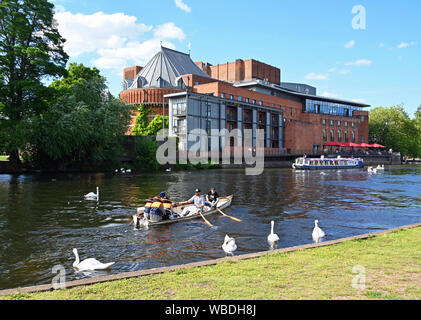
x,y
311,41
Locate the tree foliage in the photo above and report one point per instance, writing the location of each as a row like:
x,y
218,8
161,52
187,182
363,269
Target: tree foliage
x,y
393,128
31,51
143,127
84,124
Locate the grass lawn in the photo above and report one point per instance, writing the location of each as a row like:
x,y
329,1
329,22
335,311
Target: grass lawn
x,y
392,263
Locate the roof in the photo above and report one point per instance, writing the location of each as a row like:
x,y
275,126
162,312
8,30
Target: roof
x,y
164,70
295,93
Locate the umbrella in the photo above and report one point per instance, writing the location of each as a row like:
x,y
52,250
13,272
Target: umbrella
x,y
350,144
376,145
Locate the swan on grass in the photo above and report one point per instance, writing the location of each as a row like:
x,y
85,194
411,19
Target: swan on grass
x,y
229,246
317,232
93,196
89,264
272,237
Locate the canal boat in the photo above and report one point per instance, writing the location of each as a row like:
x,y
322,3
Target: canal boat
x,y
327,163
223,203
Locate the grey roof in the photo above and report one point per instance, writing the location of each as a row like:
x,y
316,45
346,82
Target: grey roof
x,y
164,70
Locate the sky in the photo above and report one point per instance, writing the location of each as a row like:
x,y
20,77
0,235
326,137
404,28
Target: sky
x,y
365,51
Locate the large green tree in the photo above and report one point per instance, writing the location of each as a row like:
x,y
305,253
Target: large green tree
x,y
393,128
31,51
84,124
142,127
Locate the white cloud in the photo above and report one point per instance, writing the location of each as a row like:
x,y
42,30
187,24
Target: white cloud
x,y
329,94
113,39
344,71
332,70
361,62
169,31
315,76
406,44
180,4
350,44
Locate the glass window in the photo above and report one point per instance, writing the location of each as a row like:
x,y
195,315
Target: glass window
x,y
254,101
346,136
324,135
324,122
353,136
240,99
231,96
339,123
261,103
346,123
247,100
332,136
339,136
222,95
332,123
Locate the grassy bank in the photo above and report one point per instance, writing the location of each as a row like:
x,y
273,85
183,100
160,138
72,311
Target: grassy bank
x,y
4,158
392,263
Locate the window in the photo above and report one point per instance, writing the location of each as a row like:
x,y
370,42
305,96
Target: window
x,y
179,109
222,95
261,103
240,99
332,123
339,136
254,101
353,136
362,118
324,135
247,100
324,122
346,136
346,123
353,124
332,136
231,96
196,83
339,123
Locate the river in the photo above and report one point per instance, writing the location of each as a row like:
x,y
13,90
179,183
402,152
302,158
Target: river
x,y
43,217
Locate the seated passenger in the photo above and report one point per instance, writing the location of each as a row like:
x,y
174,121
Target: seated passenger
x,y
212,198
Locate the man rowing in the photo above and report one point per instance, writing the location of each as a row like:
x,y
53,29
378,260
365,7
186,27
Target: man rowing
x,y
198,202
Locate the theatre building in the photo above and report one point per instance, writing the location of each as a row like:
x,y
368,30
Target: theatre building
x,y
245,94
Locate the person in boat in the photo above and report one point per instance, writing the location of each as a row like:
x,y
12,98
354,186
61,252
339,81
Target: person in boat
x,y
212,198
168,207
198,202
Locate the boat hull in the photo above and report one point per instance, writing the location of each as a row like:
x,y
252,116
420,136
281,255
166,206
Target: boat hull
x,y
224,203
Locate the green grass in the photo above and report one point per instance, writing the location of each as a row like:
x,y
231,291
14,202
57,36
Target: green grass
x,y
392,263
4,158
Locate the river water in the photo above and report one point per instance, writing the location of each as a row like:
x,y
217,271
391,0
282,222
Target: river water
x,y
43,217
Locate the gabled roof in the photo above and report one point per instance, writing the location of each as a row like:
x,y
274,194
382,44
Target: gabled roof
x,y
164,70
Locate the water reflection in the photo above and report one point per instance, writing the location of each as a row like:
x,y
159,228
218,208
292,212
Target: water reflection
x,y
43,217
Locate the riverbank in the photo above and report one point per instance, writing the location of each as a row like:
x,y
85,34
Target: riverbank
x,y
391,261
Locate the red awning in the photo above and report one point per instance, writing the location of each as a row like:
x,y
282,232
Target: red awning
x,y
376,145
365,145
333,144
350,144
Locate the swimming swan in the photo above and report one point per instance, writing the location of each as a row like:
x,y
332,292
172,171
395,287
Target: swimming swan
x,y
317,232
89,264
93,196
229,245
272,238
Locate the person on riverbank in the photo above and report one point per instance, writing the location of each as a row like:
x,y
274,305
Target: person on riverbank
x,y
212,198
198,202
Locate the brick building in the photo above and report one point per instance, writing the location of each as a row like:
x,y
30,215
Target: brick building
x,y
240,95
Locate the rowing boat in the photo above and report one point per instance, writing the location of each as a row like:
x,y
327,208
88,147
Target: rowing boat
x,y
223,203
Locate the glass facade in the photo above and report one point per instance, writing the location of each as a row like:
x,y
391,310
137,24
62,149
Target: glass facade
x,y
331,108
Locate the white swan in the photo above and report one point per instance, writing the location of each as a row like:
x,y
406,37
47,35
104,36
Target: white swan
x,y
89,264
371,170
93,196
129,171
272,238
317,232
229,245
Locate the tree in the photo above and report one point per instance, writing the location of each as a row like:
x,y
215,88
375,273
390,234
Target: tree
x,y
84,124
143,127
393,128
31,51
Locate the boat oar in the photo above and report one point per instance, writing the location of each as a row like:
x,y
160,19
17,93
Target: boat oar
x,y
207,222
235,219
